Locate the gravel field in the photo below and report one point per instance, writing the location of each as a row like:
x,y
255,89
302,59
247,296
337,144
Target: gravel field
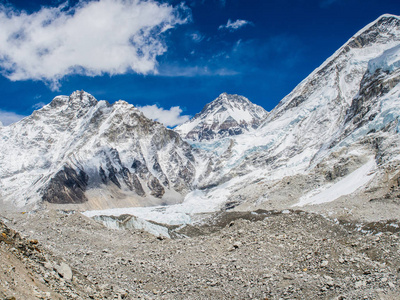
x,y
239,255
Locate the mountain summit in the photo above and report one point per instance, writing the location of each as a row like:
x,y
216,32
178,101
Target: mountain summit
x,y
227,115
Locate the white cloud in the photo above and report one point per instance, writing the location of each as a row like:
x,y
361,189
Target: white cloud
x,y
193,71
8,117
232,26
38,105
197,37
169,117
92,38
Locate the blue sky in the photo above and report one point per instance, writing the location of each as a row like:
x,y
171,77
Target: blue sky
x,y
169,57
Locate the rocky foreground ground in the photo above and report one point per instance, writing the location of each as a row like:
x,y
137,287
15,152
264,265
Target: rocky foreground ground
x,y
259,255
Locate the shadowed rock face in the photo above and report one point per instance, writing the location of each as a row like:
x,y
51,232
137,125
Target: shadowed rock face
x,y
132,181
156,188
67,186
374,33
373,87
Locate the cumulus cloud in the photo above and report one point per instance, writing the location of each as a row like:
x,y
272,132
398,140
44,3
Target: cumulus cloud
x,y
169,117
232,26
8,117
91,38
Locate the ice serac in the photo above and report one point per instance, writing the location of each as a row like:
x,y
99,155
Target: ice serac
x,y
228,115
77,150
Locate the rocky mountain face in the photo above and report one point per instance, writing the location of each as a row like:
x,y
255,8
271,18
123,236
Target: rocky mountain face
x,y
226,116
80,150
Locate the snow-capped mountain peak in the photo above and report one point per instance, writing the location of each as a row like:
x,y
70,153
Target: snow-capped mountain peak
x,y
77,100
80,150
225,116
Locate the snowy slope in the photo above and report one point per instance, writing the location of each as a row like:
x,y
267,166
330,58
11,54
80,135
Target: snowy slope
x,y
347,185
225,116
77,149
388,61
318,113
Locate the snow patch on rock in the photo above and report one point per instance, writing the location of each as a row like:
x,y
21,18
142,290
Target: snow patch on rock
x,y
388,61
346,186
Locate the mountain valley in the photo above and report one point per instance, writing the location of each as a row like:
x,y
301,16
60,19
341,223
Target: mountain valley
x,y
301,202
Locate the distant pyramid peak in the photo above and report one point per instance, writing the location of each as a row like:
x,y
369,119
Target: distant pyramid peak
x,y
227,115
225,97
228,101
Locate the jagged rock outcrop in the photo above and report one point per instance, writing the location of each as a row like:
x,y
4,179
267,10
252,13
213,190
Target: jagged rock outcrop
x,y
67,186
